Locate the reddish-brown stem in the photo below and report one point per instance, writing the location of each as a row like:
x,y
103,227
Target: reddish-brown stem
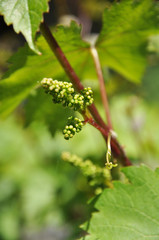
x,y
116,148
102,85
95,124
69,70
61,57
117,151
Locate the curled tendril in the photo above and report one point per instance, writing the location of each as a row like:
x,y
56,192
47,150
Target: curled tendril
x,y
109,165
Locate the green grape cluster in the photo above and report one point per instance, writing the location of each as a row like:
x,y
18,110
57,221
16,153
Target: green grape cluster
x,y
63,92
87,93
74,125
83,100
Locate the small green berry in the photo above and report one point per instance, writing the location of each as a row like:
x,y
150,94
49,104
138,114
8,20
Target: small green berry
x,y
74,125
63,92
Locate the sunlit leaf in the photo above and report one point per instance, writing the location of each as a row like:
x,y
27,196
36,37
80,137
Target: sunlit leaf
x,y
122,41
28,69
25,16
128,211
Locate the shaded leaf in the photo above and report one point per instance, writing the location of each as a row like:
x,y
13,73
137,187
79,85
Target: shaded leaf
x,y
39,107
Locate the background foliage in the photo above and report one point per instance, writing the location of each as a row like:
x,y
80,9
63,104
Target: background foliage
x,y
43,197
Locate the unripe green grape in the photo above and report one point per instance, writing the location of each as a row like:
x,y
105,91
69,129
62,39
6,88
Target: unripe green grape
x,y
63,92
74,125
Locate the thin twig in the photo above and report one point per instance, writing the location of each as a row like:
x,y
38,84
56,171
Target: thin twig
x,y
101,85
116,148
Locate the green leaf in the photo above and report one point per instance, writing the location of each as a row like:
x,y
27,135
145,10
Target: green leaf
x,y
25,16
39,107
153,45
28,69
122,42
128,211
24,75
76,50
151,84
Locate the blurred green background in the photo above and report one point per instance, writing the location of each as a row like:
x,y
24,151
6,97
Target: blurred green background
x,y
41,196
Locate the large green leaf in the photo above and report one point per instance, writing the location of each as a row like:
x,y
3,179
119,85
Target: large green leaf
x,y
151,84
122,41
25,16
28,69
39,107
19,82
129,211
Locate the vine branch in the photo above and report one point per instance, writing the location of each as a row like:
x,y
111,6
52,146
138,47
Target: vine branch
x,y
116,148
101,85
118,151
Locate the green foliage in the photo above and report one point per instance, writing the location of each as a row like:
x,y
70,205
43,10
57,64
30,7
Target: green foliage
x,y
128,211
136,122
28,69
37,189
39,106
25,16
153,45
98,177
121,46
151,83
122,41
23,76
